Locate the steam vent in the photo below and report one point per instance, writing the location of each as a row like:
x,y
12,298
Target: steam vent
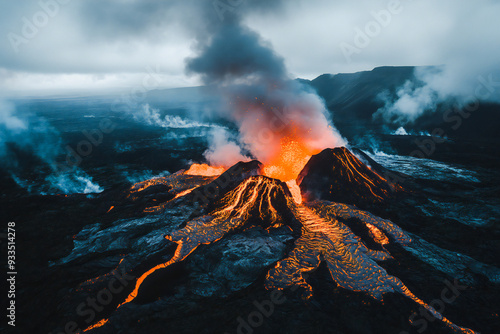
x,y
187,244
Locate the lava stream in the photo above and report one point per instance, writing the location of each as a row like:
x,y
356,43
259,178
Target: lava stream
x,y
252,196
351,264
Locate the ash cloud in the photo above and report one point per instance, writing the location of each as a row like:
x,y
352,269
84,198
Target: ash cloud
x,y
236,53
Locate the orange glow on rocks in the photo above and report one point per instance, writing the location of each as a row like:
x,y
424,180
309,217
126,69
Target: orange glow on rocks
x,y
377,234
253,197
295,191
204,170
141,186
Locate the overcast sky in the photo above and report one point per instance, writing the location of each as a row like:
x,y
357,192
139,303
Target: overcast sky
x,y
98,45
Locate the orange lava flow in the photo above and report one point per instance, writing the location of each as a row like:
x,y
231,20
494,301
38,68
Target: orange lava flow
x,y
184,193
158,208
140,186
204,170
350,262
377,234
295,191
292,158
251,195
351,165
96,325
176,258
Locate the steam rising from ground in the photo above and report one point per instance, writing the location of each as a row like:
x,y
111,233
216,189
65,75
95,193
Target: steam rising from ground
x,y
223,150
152,116
23,135
464,83
270,110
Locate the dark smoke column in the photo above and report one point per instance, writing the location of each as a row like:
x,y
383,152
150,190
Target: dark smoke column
x,y
280,122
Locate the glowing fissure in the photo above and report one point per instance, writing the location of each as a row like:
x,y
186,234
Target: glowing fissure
x,y
159,208
141,186
295,191
377,234
180,184
96,325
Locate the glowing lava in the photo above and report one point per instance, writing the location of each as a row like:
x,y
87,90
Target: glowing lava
x,y
352,265
254,197
96,325
295,191
290,160
204,170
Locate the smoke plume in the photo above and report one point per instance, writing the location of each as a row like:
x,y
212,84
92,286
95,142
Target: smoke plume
x,y
275,115
223,150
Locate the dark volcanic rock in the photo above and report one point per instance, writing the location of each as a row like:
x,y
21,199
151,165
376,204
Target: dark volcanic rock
x,y
206,195
337,175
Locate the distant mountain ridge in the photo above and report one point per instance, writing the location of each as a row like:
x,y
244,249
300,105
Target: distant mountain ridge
x,y
352,99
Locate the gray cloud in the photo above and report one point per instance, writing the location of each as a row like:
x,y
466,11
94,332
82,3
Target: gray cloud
x,y
104,43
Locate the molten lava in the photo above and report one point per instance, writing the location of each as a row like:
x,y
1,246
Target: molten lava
x,y
295,191
141,186
289,161
350,262
254,197
204,170
96,325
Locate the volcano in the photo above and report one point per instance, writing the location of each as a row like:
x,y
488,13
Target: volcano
x,y
337,175
223,234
